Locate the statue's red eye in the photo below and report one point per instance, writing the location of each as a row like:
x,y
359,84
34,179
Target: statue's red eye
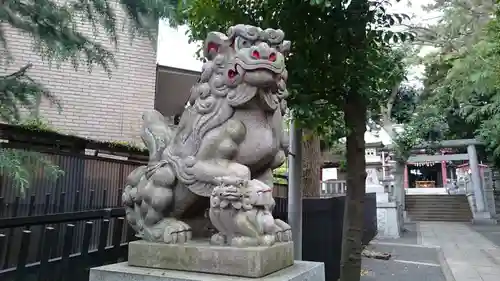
x,y
272,57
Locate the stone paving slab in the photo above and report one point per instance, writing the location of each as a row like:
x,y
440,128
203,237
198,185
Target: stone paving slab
x,y
490,232
409,262
409,253
380,270
468,254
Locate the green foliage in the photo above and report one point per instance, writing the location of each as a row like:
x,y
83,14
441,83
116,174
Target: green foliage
x,y
21,165
460,77
131,146
322,66
282,171
37,124
461,95
18,90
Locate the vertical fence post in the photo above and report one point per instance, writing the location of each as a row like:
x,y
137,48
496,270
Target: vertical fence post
x,y
76,203
87,235
2,204
62,201
11,233
49,238
119,199
3,240
103,240
104,198
66,251
23,255
46,209
31,208
117,237
91,200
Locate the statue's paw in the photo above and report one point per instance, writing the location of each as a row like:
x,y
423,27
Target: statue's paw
x,y
284,232
176,232
244,241
218,239
267,240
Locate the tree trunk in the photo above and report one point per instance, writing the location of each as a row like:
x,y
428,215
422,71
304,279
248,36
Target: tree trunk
x,y
355,120
311,164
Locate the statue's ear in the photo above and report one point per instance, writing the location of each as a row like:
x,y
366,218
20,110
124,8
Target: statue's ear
x,y
285,47
215,43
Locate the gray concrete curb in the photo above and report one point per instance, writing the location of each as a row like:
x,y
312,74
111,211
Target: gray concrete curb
x,y
444,266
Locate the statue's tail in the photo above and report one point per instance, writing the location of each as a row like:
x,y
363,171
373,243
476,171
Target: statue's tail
x,y
157,133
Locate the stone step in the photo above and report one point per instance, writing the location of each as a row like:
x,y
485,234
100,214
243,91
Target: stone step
x,y
440,205
451,219
444,199
438,208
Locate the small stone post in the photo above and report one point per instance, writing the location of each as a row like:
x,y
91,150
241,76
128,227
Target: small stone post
x,y
476,178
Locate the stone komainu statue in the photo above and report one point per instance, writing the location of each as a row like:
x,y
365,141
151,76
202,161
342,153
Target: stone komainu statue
x,y
231,131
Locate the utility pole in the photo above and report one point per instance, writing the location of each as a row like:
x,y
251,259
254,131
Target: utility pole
x,y
294,188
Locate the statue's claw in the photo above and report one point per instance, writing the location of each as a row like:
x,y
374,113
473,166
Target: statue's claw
x,y
244,241
284,233
267,240
218,239
176,232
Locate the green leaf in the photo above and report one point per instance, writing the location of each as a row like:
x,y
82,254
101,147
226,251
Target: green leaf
x,y
388,36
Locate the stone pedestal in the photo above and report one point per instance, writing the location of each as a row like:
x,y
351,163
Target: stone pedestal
x,y
479,217
199,256
387,220
299,271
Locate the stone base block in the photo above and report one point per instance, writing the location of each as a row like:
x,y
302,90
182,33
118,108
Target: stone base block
x,y
387,220
299,271
200,256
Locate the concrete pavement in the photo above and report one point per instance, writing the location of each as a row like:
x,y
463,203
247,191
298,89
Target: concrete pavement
x,y
466,255
438,251
409,262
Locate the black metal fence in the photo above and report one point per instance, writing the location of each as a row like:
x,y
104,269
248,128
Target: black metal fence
x,y
322,224
61,246
88,182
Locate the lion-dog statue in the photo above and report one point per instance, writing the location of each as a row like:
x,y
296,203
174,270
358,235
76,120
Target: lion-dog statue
x,y
232,128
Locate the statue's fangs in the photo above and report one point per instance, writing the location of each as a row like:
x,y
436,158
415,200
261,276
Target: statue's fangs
x,y
221,154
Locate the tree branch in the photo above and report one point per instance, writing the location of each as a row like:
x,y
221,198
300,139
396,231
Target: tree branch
x,y
19,73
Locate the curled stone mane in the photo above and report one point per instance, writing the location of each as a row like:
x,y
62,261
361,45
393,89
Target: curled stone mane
x,y
212,101
208,105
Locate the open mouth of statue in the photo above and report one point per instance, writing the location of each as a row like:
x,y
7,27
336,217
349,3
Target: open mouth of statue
x,y
263,76
231,195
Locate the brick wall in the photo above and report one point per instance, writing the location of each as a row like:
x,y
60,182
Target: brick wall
x,y
94,105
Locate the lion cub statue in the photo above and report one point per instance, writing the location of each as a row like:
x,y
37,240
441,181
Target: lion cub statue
x,y
241,211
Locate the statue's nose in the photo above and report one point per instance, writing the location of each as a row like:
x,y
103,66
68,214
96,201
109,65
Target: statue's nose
x,y
264,52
